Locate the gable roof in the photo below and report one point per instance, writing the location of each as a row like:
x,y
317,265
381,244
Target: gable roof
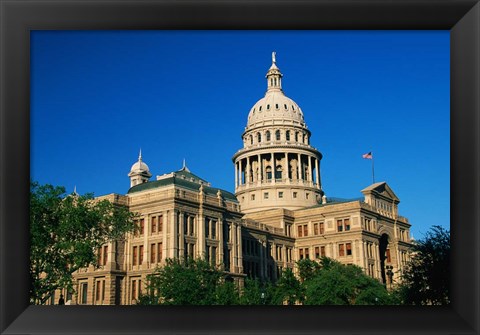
x,y
381,189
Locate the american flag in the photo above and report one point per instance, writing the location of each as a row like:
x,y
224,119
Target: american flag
x,y
368,155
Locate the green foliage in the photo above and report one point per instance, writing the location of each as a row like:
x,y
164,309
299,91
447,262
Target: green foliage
x,y
307,269
288,289
426,279
65,232
333,283
257,293
189,282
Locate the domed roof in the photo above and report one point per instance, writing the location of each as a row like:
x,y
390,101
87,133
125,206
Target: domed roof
x,y
139,166
275,104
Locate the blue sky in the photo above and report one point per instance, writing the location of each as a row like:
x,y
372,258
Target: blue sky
x,y
97,97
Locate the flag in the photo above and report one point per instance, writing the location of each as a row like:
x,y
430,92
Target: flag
x,y
368,155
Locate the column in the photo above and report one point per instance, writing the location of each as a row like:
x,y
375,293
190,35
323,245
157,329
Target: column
x,y
259,172
164,237
181,235
362,255
220,240
234,265
239,172
317,173
174,235
377,261
299,168
310,174
247,174
262,263
272,163
240,258
201,234
236,174
285,168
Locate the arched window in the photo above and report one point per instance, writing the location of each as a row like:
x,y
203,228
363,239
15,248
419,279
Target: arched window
x,y
268,136
259,137
277,135
276,106
251,139
296,136
278,172
287,135
268,106
269,172
260,108
285,105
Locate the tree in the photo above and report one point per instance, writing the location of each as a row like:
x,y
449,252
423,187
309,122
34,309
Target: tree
x,y
333,283
426,278
65,233
189,282
256,292
288,289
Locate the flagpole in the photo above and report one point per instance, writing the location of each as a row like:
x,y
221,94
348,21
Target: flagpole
x,y
373,171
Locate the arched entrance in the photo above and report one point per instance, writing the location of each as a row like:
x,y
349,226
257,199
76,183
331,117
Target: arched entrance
x,y
383,245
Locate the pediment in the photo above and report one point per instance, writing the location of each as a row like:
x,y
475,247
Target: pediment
x,y
381,190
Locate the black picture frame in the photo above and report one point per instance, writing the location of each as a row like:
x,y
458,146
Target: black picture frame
x,y
18,18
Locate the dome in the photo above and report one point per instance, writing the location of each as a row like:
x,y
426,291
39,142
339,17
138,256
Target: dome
x,y
139,166
275,105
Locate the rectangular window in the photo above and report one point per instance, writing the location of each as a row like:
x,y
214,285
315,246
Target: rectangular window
x,y
160,223
214,256
134,255
294,195
322,228
307,256
140,255
207,228
214,229
152,253
315,229
265,195
134,289
159,252
97,290
84,293
305,230
347,224
348,246
317,252
142,226
341,250
339,225
105,254
322,251
300,252
389,260
253,197
191,221
99,255
300,231
103,290
280,195
154,225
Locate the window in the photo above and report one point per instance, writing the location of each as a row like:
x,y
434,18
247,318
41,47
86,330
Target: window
x,y
269,172
98,291
207,228
134,289
268,106
260,108
307,195
265,195
300,231
305,230
153,225
252,197
84,290
278,172
389,259
267,134
341,250
317,252
322,228
140,256
306,253
276,106
259,137
152,253
277,135
285,105
105,254
348,247
294,195
315,229
296,136
343,225
251,139
280,195
134,259
160,223
142,226
300,253
159,252
287,135
322,251
214,229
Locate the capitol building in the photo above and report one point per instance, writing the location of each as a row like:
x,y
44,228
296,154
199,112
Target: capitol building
x,y
279,214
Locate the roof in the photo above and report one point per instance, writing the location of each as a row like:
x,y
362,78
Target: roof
x,y
183,178
382,189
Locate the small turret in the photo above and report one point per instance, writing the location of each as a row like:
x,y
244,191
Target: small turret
x,y
139,173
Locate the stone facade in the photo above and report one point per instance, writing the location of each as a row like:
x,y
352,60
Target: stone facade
x,y
278,215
